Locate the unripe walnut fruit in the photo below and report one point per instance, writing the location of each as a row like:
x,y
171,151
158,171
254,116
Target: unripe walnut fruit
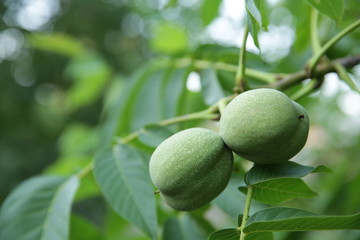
x,y
264,126
191,168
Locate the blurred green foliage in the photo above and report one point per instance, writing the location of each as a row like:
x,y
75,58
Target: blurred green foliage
x,y
85,72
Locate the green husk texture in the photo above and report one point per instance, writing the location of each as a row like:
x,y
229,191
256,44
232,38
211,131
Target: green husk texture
x,y
264,126
191,168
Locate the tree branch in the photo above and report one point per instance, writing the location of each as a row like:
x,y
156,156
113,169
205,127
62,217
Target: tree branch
x,y
322,69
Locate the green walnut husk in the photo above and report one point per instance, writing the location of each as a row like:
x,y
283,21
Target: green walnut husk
x,y
191,168
264,126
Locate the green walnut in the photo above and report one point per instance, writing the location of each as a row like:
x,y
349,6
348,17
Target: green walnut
x,y
264,126
191,168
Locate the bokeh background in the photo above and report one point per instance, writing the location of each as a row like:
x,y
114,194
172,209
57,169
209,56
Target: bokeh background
x,y
60,61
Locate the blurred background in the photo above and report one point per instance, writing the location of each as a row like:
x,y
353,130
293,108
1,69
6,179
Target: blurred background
x,y
60,60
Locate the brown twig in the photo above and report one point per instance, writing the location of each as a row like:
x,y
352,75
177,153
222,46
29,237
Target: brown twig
x,y
322,69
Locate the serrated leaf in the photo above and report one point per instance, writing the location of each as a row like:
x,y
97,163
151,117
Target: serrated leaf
x,y
210,85
280,190
154,134
209,10
225,234
182,228
125,182
331,8
39,208
260,236
290,219
260,173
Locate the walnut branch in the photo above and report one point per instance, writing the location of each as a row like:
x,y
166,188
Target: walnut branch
x,y
322,69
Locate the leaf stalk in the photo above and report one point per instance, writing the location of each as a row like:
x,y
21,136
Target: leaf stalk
x,y
240,80
246,212
315,59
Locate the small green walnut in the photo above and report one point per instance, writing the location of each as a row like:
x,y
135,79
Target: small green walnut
x,y
191,168
264,126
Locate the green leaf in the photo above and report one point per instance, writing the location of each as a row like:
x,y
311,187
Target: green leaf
x,y
67,166
203,223
234,234
343,74
182,228
331,8
279,190
173,92
120,104
154,134
169,38
209,11
82,229
254,29
260,173
211,88
59,43
116,228
290,219
125,182
39,208
88,188
260,236
225,234
118,110
90,73
78,139
146,107
257,18
155,92
257,9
